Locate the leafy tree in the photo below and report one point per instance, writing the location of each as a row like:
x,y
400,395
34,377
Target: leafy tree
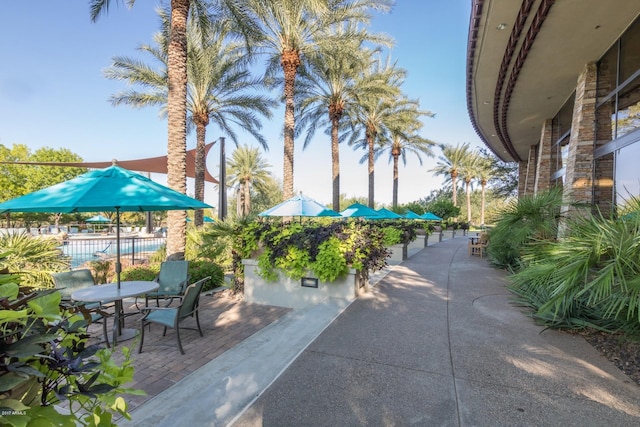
x,y
218,90
267,195
415,207
504,175
13,178
246,169
19,179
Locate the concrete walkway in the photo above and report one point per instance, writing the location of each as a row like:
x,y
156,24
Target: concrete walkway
x,y
436,343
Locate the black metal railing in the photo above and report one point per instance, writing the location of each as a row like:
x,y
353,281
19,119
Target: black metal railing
x,y
85,249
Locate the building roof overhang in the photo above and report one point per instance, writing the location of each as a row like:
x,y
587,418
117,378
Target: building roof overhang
x,y
524,59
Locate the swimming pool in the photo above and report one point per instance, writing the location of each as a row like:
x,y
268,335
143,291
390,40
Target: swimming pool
x,y
82,250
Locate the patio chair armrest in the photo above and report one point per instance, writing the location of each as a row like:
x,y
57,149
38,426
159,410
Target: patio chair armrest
x,y
149,309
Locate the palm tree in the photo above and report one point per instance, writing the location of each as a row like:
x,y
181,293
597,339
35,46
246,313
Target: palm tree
x,y
176,112
247,169
375,115
288,31
469,170
334,79
483,174
450,163
218,89
404,139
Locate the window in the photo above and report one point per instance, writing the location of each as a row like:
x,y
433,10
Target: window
x,y
627,178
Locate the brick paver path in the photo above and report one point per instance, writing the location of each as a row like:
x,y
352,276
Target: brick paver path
x,y
225,322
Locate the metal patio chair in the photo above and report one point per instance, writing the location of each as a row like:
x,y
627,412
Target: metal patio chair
x,y
171,317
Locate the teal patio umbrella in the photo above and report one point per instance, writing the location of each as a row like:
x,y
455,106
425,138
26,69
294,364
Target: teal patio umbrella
x,y
98,218
112,189
358,210
430,216
388,214
300,206
412,215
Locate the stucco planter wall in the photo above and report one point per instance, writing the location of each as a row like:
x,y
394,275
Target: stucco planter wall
x,y
398,253
419,243
287,292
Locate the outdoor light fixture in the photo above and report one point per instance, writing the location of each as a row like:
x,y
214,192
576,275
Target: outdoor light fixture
x,y
501,26
309,282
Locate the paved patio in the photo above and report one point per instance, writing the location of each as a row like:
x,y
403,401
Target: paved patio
x,y
225,322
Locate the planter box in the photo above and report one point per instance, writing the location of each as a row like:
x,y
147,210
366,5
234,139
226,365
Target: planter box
x,y
398,253
287,292
418,244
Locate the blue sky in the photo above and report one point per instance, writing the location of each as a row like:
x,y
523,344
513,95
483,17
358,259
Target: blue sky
x,y
53,93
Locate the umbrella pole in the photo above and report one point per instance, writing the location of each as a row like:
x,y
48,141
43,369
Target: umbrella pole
x,y
118,265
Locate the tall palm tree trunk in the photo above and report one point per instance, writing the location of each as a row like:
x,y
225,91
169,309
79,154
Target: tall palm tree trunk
x,y
290,63
335,113
201,132
177,124
467,183
395,180
247,197
484,185
370,137
454,185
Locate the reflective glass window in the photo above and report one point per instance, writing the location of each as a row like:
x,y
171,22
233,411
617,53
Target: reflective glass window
x,y
629,52
629,108
627,175
608,73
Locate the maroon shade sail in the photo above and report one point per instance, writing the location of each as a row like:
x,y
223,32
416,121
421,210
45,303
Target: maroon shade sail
x,y
152,164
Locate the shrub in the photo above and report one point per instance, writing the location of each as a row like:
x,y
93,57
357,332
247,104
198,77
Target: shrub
x,y
35,259
525,221
145,272
201,269
197,270
45,359
591,277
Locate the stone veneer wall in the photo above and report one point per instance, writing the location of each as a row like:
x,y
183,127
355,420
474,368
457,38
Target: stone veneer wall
x,y
544,168
578,184
522,178
531,170
603,191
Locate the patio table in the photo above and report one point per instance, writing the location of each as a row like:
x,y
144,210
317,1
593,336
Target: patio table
x,y
110,292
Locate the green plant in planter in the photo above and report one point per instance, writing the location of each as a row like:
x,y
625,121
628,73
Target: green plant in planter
x,y
45,359
327,250
330,262
392,236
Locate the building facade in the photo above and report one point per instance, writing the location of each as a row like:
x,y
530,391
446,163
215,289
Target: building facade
x,y
555,86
